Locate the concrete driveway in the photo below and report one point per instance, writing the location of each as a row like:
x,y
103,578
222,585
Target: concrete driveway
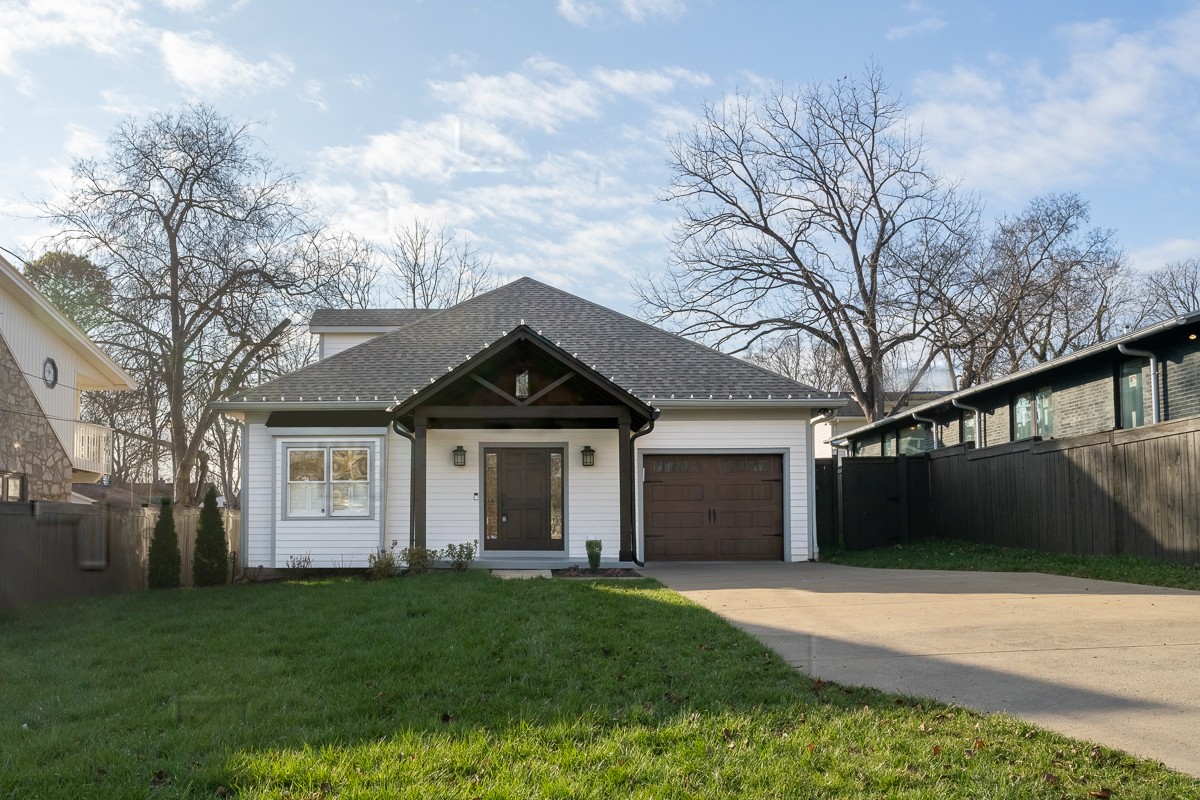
x,y
1110,662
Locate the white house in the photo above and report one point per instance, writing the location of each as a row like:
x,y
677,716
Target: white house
x,y
45,362
526,420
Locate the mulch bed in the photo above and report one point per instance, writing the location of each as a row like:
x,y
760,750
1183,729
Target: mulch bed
x,y
579,572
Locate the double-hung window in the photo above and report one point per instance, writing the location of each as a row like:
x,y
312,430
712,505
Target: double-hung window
x,y
328,480
12,488
1033,414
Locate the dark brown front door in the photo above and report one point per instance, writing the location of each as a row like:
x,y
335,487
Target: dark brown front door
x,y
714,507
525,499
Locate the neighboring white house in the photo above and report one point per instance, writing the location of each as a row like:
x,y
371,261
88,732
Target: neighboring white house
x,y
45,361
527,421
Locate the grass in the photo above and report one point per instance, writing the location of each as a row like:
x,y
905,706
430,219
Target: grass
x,y
465,686
961,555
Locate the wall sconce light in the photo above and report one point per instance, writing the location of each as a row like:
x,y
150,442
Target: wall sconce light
x,y
588,455
460,456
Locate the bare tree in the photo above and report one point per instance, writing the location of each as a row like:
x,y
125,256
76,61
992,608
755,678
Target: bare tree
x,y
208,251
795,355
1045,285
432,269
812,212
1173,289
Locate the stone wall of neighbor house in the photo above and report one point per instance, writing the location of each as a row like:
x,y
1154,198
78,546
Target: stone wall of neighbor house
x,y
28,445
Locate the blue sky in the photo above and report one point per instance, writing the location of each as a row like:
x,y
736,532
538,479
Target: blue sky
x,y
539,130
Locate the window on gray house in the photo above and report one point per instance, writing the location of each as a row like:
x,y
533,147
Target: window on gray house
x,y
968,426
888,445
1133,408
1033,414
913,440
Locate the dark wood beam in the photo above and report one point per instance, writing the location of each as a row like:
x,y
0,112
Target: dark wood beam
x,y
543,392
425,413
488,384
625,469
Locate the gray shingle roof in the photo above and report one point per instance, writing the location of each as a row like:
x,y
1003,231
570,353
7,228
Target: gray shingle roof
x,y
635,355
367,317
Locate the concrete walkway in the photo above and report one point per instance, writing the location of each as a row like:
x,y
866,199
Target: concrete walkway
x,y
1110,662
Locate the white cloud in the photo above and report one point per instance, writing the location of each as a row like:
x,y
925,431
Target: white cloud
x,y
1161,253
543,99
105,27
206,67
361,83
1014,128
641,10
927,25
579,12
184,6
83,142
114,102
645,84
433,151
312,94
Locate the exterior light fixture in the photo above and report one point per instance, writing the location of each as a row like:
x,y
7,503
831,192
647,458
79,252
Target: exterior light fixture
x,y
588,455
1192,337
460,456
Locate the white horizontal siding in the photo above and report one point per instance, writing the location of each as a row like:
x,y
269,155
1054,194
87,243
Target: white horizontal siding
x,y
31,343
732,430
334,343
259,504
455,494
329,541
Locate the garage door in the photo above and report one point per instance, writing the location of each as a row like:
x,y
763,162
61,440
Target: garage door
x,y
713,507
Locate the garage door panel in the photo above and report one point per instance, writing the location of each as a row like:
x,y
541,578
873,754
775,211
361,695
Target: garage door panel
x,y
668,493
677,519
714,507
747,492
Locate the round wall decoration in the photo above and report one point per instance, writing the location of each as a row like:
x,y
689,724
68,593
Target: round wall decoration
x,y
50,373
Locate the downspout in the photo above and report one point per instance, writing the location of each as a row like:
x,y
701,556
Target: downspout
x,y
979,437
931,425
1129,351
412,455
647,428
814,550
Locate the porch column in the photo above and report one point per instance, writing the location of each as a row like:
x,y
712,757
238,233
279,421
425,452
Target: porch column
x,y
625,462
420,426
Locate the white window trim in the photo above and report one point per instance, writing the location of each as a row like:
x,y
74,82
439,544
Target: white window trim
x,y
328,446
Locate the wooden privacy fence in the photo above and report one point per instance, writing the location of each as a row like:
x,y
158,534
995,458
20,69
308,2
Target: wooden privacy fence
x,y
59,551
1134,492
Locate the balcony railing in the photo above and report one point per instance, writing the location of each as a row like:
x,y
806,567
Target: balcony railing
x,y
93,448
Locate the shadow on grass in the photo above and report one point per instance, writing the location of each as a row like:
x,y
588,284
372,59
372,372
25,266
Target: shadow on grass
x,y
464,685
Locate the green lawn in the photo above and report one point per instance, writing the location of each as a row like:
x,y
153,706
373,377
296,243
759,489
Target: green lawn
x,y
462,685
957,554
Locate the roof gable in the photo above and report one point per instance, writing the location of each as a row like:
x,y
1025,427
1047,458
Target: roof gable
x,y
646,361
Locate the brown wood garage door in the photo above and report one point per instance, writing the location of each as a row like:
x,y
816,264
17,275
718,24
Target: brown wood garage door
x,y
714,507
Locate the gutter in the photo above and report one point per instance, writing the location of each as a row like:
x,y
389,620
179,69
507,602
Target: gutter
x,y
1155,414
647,428
979,437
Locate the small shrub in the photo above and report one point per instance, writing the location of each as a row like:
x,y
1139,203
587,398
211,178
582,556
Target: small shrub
x,y
298,566
210,561
383,564
420,559
594,546
165,563
460,555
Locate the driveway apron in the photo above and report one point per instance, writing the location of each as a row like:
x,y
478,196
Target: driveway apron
x,y
1110,662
